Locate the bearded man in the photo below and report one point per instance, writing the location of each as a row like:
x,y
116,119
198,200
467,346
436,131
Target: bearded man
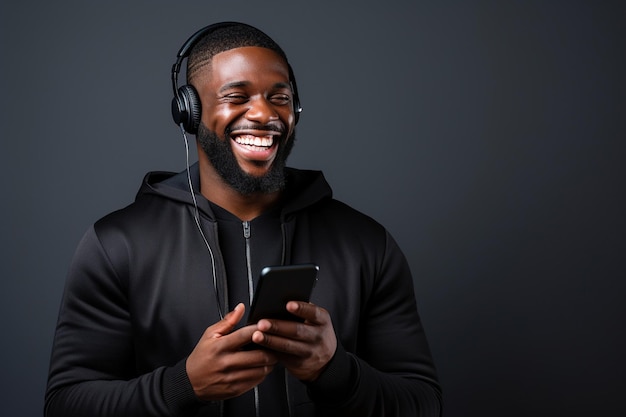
x,y
153,317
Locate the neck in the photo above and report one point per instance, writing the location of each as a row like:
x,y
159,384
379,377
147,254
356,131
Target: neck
x,y
245,207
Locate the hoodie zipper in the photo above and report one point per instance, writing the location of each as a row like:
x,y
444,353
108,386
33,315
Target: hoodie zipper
x,y
246,235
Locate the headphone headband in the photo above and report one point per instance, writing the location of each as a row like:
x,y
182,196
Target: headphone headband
x,y
185,50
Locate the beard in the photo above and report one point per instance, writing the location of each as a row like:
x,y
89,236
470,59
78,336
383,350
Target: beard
x,y
223,159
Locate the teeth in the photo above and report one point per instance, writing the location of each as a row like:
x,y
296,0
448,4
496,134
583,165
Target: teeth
x,y
265,141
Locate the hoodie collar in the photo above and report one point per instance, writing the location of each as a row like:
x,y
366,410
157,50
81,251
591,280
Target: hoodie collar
x,y
304,189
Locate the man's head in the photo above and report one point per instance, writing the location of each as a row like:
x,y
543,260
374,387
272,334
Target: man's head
x,y
224,37
245,89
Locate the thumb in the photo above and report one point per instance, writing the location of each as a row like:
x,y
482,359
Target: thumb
x,y
228,323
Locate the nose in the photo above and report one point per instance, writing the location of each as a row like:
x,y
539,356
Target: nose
x,y
261,110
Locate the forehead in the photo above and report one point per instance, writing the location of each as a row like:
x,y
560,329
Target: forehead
x,y
246,64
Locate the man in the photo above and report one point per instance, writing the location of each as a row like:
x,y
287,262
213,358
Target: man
x,y
142,329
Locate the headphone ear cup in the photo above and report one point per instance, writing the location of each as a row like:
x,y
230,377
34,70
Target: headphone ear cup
x,y
186,108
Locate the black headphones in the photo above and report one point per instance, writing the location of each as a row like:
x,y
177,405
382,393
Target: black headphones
x,y
186,107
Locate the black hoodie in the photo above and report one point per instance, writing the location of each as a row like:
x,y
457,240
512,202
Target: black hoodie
x,y
141,291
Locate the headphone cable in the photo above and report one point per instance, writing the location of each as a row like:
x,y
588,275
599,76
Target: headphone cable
x,y
197,221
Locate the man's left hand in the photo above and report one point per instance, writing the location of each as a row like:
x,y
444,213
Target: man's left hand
x,y
303,348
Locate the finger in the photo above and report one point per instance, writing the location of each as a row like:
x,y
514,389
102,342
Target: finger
x,y
281,327
307,311
288,329
275,343
228,323
257,358
283,338
242,337
256,373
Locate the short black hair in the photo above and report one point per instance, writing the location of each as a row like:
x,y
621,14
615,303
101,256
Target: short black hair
x,y
226,37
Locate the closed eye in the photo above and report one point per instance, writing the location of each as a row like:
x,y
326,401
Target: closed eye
x,y
280,99
236,98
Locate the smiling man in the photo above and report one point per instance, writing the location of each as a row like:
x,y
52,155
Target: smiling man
x,y
153,317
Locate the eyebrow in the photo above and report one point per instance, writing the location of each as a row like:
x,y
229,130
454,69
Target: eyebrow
x,y
235,84
241,84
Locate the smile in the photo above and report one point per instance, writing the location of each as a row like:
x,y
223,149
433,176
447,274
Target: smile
x,y
262,142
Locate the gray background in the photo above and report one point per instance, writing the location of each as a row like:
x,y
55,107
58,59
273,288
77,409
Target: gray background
x,y
487,136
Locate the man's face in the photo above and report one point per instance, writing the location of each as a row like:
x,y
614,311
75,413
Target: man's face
x,y
247,120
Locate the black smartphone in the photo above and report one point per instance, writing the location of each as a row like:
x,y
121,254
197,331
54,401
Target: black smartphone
x,y
277,286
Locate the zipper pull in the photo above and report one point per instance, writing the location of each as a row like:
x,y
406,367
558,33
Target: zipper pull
x,y
246,229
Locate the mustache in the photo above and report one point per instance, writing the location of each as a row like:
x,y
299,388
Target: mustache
x,y
268,127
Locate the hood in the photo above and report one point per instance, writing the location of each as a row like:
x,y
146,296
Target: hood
x,y
304,189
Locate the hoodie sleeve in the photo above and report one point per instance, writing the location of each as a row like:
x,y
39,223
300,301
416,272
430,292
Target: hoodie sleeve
x,y
92,367
391,373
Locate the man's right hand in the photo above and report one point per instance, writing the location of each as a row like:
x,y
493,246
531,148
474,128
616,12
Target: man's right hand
x,y
219,369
